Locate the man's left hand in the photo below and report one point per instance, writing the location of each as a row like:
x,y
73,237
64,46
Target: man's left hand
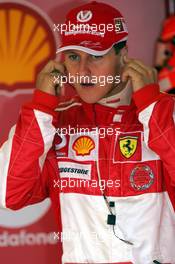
x,y
139,74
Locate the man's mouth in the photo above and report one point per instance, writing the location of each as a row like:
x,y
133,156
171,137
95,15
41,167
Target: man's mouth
x,y
86,85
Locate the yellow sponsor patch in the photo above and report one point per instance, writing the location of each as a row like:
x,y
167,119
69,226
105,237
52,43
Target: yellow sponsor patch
x,y
128,146
83,145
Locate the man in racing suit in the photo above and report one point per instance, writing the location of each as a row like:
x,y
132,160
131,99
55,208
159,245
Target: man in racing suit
x,y
112,186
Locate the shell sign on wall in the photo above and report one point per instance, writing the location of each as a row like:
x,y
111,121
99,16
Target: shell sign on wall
x,y
27,42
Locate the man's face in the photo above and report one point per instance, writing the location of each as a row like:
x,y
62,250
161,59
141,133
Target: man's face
x,y
96,69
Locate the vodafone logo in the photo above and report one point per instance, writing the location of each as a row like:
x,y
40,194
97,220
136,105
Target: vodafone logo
x,y
84,16
62,144
24,217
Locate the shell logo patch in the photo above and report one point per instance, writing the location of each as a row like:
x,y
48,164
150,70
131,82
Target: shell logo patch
x,y
128,146
27,43
83,145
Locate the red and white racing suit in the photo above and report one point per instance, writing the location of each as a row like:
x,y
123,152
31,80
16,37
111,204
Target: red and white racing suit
x,y
133,165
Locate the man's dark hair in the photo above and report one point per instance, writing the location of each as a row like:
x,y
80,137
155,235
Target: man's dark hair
x,y
119,46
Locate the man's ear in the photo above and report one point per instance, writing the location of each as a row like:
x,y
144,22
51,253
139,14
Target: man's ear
x,y
124,51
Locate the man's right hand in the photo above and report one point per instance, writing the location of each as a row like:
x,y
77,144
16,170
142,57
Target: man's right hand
x,y
45,80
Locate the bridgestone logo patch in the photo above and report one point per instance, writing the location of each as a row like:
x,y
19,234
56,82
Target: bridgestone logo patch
x,y
74,170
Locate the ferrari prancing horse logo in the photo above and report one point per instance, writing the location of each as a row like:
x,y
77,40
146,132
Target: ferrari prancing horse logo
x,y
128,146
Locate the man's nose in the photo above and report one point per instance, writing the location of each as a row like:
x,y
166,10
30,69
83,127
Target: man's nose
x,y
84,69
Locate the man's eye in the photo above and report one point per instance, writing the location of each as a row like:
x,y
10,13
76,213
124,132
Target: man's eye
x,y
73,57
97,57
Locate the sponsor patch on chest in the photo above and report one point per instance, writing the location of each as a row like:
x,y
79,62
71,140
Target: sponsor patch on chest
x,y
83,148
74,170
128,147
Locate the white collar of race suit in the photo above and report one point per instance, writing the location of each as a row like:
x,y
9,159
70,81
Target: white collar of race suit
x,y
122,98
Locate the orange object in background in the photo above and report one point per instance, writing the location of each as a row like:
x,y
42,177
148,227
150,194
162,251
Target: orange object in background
x,y
167,77
168,31
27,42
165,57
